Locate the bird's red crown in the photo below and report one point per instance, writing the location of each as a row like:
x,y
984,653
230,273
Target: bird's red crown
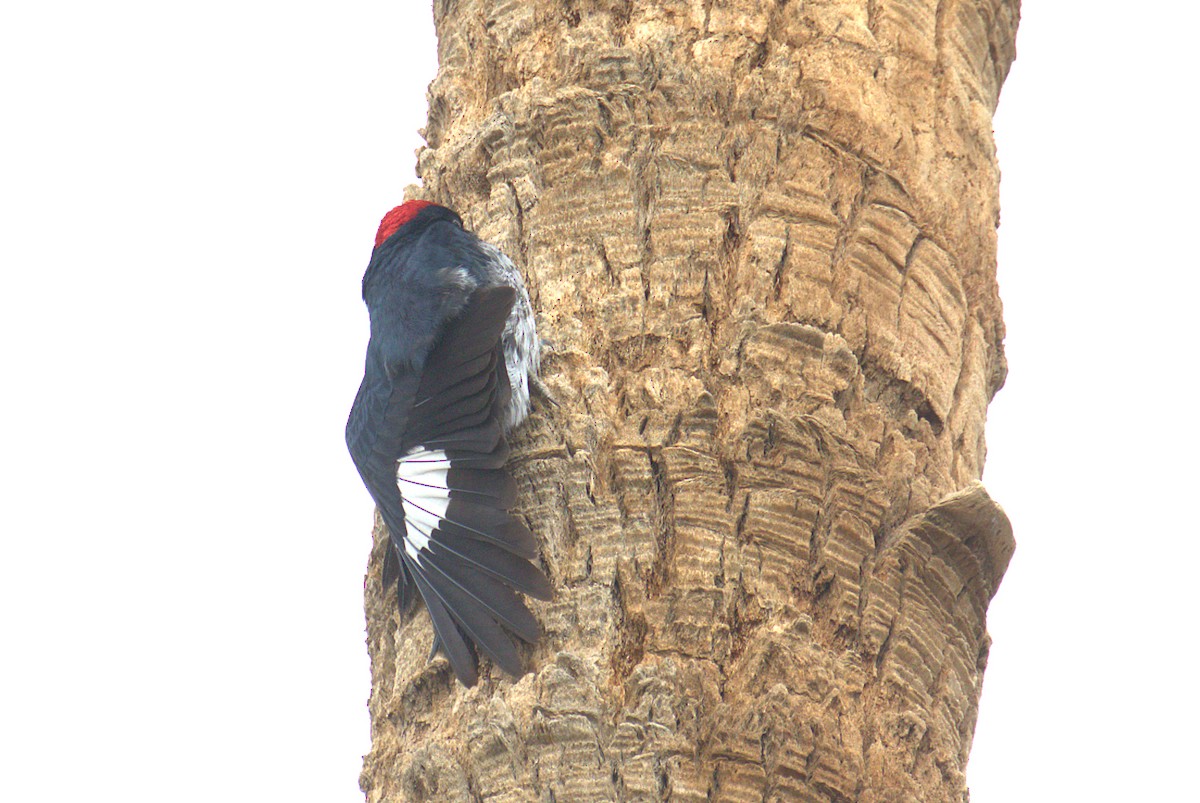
x,y
393,220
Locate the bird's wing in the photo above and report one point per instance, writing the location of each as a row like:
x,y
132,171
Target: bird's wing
x,y
468,556
374,433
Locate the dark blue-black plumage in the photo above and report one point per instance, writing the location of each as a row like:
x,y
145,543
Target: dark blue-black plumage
x,y
449,323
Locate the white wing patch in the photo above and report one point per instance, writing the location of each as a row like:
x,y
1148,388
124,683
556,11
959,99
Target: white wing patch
x,y
421,474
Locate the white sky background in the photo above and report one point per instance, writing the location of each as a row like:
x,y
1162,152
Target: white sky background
x,y
188,199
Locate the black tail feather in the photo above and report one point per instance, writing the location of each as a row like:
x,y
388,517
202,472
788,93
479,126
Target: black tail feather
x,y
500,601
475,621
391,566
462,660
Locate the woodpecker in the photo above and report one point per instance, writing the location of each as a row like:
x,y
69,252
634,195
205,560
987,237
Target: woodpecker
x,y
451,359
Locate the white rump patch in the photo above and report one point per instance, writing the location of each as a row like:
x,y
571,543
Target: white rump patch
x,y
421,475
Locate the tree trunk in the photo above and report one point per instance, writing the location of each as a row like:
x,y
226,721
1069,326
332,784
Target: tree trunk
x,y
760,237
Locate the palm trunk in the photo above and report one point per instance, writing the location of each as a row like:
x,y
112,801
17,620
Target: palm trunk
x,y
761,239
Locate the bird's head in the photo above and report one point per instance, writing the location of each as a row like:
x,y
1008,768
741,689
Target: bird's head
x,y
393,220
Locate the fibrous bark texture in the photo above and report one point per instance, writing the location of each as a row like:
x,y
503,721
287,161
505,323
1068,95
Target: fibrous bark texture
x,y
760,236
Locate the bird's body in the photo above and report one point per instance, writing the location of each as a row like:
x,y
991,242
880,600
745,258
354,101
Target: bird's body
x,y
452,355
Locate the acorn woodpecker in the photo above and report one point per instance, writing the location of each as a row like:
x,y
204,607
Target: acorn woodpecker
x,y
452,356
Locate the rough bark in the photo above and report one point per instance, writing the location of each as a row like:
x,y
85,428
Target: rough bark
x,y
761,238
